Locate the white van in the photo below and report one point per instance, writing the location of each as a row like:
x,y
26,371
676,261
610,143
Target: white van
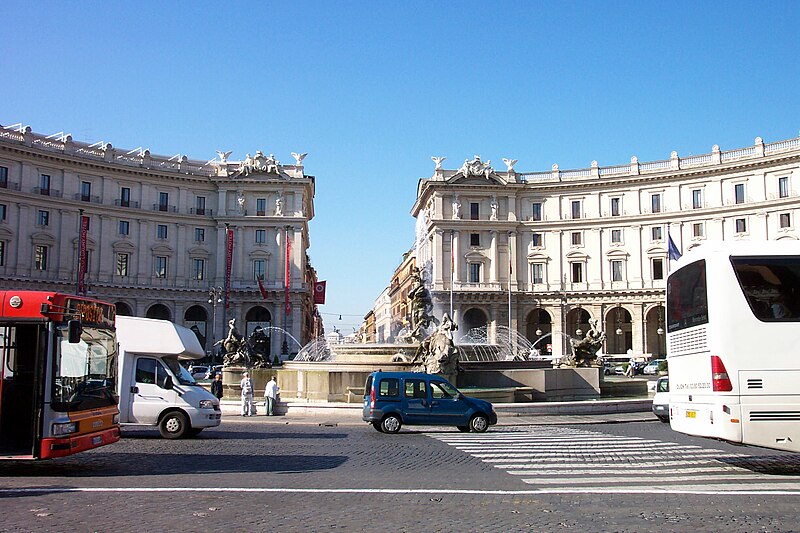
x,y
154,389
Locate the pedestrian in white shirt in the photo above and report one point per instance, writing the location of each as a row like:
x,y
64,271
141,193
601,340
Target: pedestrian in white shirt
x,y
248,405
271,395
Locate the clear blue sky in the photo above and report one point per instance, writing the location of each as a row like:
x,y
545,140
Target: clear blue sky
x,y
373,89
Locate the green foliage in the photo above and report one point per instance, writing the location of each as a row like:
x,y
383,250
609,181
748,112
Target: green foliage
x,y
662,366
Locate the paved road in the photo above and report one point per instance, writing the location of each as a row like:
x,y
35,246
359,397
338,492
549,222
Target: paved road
x,y
255,474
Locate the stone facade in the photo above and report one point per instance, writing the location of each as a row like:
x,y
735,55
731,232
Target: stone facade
x,y
557,248
156,240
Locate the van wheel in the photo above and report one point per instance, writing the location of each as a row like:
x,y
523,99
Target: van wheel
x,y
391,424
463,429
479,423
377,425
174,425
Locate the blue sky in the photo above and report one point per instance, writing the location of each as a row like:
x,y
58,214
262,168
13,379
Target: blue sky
x,y
373,89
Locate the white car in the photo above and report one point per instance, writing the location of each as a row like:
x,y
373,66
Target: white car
x,y
652,367
661,399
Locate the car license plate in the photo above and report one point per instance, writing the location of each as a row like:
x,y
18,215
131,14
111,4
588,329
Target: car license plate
x,y
691,414
97,440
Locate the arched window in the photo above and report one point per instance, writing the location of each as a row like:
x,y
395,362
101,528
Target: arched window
x,y
159,311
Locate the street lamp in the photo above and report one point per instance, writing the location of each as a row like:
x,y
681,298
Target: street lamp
x,y
214,297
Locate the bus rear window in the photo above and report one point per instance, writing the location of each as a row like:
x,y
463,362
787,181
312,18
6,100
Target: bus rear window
x,y
771,286
687,299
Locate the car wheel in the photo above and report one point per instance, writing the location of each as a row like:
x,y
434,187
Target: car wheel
x,y
174,425
391,424
479,423
664,419
463,429
377,425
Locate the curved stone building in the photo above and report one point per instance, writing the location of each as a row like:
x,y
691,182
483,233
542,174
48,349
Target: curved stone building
x,y
156,241
543,252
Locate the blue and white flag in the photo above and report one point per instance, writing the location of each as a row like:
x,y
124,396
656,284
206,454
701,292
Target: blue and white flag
x,y
674,254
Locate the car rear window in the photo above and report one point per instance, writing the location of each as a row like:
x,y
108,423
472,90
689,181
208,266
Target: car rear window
x,y
389,387
368,386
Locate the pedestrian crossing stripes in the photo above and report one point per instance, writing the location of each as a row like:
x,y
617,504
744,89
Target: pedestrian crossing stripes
x,y
570,460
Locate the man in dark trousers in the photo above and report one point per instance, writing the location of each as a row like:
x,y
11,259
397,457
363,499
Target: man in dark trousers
x,y
216,386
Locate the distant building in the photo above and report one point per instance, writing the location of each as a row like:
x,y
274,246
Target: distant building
x,y
557,248
157,239
398,295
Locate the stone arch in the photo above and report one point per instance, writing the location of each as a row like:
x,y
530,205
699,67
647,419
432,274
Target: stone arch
x,y
539,329
655,332
196,319
473,318
619,331
259,316
159,311
577,322
123,309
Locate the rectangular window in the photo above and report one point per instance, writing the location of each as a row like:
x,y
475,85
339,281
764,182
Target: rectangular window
x,y
577,272
161,266
576,238
474,239
536,211
655,203
576,209
738,192
655,233
616,236
537,273
125,196
474,211
786,220
261,236
697,199
616,270
163,201
2,253
3,211
40,258
124,227
261,206
615,207
43,218
783,187
198,269
86,191
741,225
4,177
658,268
122,264
697,229
44,184
200,205
474,272
162,231
199,234
259,268
389,387
538,240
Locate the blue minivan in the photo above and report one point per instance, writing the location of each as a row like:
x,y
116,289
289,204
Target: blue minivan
x,y
392,399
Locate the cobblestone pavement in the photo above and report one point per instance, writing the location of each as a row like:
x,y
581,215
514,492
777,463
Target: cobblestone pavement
x,y
257,474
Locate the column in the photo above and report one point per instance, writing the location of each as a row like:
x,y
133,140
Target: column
x,y
298,254
493,257
513,255
238,254
181,272
456,255
222,203
219,278
438,248
144,269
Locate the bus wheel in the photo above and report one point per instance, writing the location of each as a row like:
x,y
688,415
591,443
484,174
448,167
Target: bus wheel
x,y
174,425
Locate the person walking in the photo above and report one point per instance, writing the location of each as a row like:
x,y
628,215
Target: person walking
x,y
271,395
216,386
248,405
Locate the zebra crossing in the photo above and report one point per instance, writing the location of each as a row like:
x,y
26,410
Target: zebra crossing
x,y
569,460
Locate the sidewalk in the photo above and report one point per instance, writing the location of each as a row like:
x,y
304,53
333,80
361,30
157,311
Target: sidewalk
x,y
513,414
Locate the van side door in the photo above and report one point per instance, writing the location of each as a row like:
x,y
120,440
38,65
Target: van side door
x,y
148,395
447,406
417,404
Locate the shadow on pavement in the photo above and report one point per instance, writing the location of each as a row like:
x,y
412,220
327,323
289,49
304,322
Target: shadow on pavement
x,y
777,465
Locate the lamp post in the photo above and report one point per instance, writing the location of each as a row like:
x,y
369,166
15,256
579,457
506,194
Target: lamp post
x,y
214,297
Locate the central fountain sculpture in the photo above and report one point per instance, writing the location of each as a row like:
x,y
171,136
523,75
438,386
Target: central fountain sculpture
x,y
584,351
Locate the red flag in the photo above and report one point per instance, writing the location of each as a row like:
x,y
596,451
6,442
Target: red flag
x,y
319,292
288,270
228,264
82,255
261,288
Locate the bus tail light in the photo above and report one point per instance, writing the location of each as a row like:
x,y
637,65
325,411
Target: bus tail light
x,y
720,382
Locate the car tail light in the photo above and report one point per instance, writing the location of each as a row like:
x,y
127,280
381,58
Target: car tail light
x,y
720,382
372,398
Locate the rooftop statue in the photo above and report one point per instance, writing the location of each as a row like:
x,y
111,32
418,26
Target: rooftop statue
x,y
438,161
223,156
510,164
476,167
298,158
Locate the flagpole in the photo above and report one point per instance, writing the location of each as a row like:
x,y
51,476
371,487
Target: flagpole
x,y
452,272
510,273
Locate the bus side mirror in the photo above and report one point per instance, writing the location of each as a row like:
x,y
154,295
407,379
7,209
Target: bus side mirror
x,y
75,330
167,384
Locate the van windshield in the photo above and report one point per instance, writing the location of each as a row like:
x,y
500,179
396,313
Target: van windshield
x,y
184,377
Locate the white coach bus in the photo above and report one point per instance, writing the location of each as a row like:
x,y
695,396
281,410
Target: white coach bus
x,y
733,343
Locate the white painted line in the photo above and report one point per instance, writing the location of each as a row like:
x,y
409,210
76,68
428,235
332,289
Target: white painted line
x,y
535,464
632,473
655,479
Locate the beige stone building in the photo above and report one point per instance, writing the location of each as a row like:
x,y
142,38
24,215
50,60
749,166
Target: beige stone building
x,y
543,252
157,233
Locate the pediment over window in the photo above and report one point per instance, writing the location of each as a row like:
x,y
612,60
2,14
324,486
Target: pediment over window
x,y
41,237
6,235
475,255
617,253
655,251
259,254
161,249
197,251
577,256
786,237
538,257
90,243
123,247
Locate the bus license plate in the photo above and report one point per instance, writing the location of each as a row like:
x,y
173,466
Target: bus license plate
x,y
97,440
691,414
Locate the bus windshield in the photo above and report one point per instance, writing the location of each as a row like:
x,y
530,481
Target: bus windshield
x,y
771,286
85,372
687,299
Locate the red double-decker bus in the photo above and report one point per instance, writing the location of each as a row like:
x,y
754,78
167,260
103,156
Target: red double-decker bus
x,y
58,375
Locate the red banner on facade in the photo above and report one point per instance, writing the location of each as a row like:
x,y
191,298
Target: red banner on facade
x,y
228,265
261,288
319,292
82,255
288,283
